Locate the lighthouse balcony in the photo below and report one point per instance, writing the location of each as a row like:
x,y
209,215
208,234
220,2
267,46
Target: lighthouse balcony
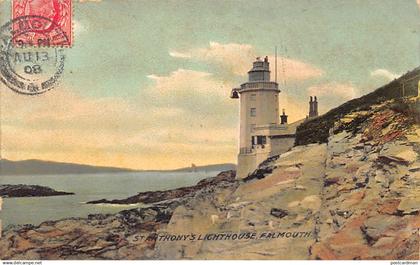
x,y
250,86
246,150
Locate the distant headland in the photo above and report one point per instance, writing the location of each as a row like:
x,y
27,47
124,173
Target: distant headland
x,y
41,167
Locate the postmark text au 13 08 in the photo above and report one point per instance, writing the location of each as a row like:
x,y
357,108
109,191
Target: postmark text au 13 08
x,y
33,45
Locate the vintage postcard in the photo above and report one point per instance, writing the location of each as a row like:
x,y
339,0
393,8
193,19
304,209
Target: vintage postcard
x,y
209,130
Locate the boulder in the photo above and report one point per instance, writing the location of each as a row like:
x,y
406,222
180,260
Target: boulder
x,y
414,167
374,227
409,205
389,206
398,153
279,213
312,202
331,181
382,178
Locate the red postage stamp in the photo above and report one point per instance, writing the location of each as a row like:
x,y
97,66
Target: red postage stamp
x,y
55,16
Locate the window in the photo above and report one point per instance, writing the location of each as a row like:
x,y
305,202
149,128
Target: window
x,y
253,97
253,112
261,140
258,140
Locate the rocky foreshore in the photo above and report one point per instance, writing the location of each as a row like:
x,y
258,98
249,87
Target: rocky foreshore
x,y
21,190
129,234
354,197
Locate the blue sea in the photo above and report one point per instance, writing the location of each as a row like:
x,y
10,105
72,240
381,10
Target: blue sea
x,y
87,187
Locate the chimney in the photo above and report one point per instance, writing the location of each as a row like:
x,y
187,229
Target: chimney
x,y
313,107
283,118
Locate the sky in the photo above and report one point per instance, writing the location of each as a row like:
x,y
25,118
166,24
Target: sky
x,y
146,84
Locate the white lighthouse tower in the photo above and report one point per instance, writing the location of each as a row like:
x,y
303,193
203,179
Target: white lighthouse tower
x,y
259,106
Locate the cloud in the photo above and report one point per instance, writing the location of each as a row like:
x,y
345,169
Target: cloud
x,y
292,69
179,118
233,57
172,123
332,94
237,58
179,55
183,80
384,73
344,91
200,95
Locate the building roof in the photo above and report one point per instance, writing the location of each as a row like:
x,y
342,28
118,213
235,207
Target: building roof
x,y
277,129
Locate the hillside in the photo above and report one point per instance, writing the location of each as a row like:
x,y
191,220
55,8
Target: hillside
x,y
38,167
316,130
215,167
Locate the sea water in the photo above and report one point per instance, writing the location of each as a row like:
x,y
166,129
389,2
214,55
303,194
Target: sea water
x,y
87,187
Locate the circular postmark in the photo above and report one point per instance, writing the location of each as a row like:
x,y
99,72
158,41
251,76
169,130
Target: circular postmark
x,y
31,54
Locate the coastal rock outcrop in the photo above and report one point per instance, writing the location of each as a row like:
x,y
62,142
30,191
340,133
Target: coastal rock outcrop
x,y
182,193
258,205
21,190
356,196
129,234
371,211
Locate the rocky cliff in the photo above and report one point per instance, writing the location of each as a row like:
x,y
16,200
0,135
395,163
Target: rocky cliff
x,y
371,197
357,196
